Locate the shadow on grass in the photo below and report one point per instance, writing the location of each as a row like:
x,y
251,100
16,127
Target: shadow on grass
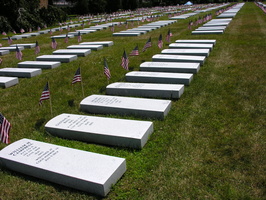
x,y
39,123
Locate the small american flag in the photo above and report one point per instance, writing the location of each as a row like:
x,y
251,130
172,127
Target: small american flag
x,y
135,51
30,30
39,28
66,38
160,41
4,33
4,129
168,36
37,48
18,53
51,32
106,70
125,61
22,30
14,32
9,40
112,28
79,37
68,28
54,43
147,45
45,94
77,76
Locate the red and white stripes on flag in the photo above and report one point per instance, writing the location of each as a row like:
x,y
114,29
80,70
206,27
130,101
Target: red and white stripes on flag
x,y
77,76
147,45
54,44
112,28
45,94
18,53
125,61
9,40
106,70
4,129
160,41
135,51
37,48
66,38
168,36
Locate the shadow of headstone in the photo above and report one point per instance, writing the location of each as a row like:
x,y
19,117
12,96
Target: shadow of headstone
x,y
39,123
71,102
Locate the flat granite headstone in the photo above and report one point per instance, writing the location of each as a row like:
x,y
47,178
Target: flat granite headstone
x,y
159,77
211,28
190,46
6,82
201,32
20,72
12,48
106,104
4,52
127,34
14,37
26,46
92,47
193,52
78,52
168,91
39,64
81,170
62,36
104,43
176,67
178,58
101,130
197,41
59,58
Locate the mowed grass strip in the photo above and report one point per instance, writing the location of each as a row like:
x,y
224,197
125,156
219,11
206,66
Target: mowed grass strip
x,y
210,146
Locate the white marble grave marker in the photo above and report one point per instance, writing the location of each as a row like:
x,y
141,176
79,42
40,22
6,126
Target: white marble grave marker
x,y
6,82
20,72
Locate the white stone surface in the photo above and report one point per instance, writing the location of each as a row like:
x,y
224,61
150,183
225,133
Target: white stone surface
x,y
106,104
104,43
26,46
4,52
107,131
190,46
207,32
197,41
20,72
12,48
6,82
193,52
92,47
78,52
176,67
127,34
81,170
159,77
39,64
59,58
62,36
178,58
168,91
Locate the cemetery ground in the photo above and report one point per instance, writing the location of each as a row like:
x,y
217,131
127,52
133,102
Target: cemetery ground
x,y
212,144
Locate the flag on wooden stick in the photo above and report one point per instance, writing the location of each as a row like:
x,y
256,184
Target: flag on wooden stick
x,y
147,45
77,76
37,48
45,94
66,38
135,51
79,37
4,129
106,70
125,61
168,36
18,53
160,41
54,43
9,40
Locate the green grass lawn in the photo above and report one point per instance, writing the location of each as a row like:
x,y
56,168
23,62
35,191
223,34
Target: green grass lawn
x,y
210,146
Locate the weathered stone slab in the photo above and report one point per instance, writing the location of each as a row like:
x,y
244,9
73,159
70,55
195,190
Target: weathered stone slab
x,y
62,36
168,91
11,48
190,46
20,72
193,52
78,52
175,67
26,46
6,82
77,33
135,31
107,131
127,34
207,32
92,47
4,52
81,170
106,104
210,28
44,31
217,24
178,58
39,64
34,34
159,77
14,37
59,58
25,35
103,43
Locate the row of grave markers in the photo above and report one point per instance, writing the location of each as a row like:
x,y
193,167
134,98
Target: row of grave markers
x,y
96,173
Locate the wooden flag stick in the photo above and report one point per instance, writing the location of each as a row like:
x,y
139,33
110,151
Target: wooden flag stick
x,y
82,84
50,99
